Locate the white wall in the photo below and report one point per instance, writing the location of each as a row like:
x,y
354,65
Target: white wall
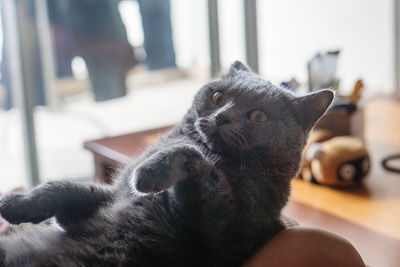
x,y
291,31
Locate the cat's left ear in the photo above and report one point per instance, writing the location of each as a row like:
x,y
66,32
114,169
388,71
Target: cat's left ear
x,y
237,66
309,108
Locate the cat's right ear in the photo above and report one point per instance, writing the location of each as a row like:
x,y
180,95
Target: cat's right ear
x,y
236,67
309,108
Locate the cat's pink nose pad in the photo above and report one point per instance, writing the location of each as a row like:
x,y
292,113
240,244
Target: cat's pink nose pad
x,y
222,119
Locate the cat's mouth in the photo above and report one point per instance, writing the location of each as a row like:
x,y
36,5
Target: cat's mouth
x,y
206,126
233,136
229,134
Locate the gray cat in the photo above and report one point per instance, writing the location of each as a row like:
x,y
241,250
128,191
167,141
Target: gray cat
x,y
210,193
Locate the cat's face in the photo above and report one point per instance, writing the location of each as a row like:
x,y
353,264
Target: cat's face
x,y
240,112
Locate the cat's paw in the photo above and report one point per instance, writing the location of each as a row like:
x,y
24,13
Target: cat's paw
x,y
18,209
165,169
148,180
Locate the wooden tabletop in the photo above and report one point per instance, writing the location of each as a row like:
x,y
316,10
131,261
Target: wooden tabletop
x,y
375,248
368,216
121,149
376,204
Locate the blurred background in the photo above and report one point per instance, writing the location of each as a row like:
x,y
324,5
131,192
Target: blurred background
x,y
78,70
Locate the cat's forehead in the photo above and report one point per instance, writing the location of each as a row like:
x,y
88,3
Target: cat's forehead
x,y
249,86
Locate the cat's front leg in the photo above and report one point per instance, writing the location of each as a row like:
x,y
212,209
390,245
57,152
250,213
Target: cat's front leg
x,y
167,167
67,200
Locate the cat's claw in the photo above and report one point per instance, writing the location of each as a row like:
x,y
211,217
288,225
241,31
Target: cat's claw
x,y
18,209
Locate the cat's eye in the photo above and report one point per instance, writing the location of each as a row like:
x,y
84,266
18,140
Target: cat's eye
x,y
258,116
218,99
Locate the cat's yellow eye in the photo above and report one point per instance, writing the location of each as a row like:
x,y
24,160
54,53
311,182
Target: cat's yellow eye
x,y
258,116
218,99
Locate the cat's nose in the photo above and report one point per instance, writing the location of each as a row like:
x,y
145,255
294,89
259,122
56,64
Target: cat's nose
x,y
222,119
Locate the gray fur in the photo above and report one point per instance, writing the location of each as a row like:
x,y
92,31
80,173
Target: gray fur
x,y
210,193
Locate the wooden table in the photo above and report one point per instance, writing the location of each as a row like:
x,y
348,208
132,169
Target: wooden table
x,y
368,216
114,152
